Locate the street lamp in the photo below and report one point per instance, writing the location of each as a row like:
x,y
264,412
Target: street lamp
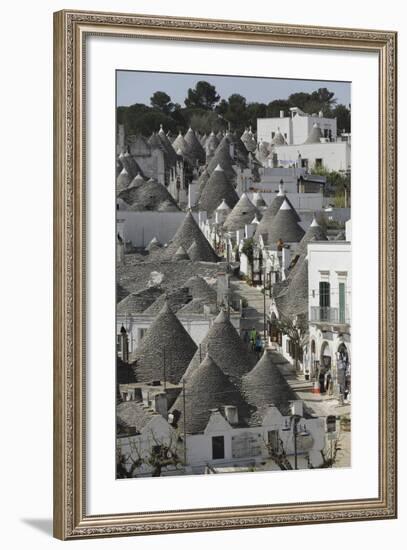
x,y
294,421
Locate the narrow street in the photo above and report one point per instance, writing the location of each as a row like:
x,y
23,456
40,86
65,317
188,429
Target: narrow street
x,y
320,405
254,312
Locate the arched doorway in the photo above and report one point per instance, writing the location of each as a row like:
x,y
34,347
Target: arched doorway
x,y
326,358
324,375
312,358
343,369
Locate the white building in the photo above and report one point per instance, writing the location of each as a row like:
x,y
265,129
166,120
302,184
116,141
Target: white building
x,y
295,127
305,141
223,445
330,309
330,155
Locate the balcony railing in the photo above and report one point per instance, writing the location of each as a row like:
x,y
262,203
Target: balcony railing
x,y
329,315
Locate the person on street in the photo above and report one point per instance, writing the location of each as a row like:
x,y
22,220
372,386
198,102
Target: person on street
x,y
253,336
259,345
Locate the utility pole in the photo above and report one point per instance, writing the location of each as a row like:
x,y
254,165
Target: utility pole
x,y
185,423
296,418
264,306
164,373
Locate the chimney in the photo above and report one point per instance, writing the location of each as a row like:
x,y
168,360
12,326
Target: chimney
x,y
124,345
231,414
281,114
161,404
281,188
120,250
297,407
321,114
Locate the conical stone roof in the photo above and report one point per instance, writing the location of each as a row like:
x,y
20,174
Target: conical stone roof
x,y
130,164
155,141
147,196
174,299
187,233
315,135
278,139
314,233
211,145
258,200
203,139
264,385
294,299
194,147
269,214
199,288
202,180
154,244
217,188
240,151
123,180
222,157
242,214
245,136
262,151
138,302
195,252
167,206
250,143
207,389
180,254
170,153
180,145
136,181
285,226
165,340
227,349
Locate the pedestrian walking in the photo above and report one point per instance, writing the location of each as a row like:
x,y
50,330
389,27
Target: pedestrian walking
x,y
253,336
258,345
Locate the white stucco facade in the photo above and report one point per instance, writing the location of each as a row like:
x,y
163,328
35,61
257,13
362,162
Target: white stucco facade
x,y
248,446
330,314
330,155
295,128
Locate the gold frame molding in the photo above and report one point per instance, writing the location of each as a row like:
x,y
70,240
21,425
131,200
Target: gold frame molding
x,y
70,31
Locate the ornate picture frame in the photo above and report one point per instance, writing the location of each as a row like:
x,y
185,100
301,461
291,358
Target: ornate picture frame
x,y
71,520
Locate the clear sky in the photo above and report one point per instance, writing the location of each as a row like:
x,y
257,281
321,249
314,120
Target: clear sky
x,y
138,87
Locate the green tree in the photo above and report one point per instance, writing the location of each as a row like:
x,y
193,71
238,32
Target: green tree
x,y
162,102
323,97
342,115
338,185
234,111
254,111
299,99
206,122
151,120
203,96
274,107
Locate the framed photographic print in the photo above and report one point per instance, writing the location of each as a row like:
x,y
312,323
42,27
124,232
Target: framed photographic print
x,y
225,274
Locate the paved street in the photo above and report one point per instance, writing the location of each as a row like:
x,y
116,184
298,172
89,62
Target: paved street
x,y
254,313
320,405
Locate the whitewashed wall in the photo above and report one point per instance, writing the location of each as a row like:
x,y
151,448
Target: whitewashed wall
x,y
335,156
